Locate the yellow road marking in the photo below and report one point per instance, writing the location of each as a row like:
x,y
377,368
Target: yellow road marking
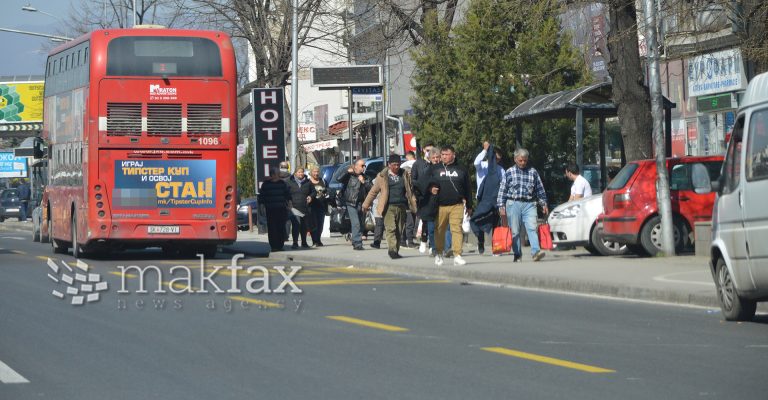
x,y
121,274
44,258
244,272
548,360
369,324
352,271
264,303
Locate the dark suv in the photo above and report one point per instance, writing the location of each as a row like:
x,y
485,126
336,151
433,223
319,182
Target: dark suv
x,y
10,204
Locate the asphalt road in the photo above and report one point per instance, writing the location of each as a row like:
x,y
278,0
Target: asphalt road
x,y
351,334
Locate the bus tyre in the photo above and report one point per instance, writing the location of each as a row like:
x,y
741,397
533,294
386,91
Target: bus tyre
x,y
56,245
734,307
75,247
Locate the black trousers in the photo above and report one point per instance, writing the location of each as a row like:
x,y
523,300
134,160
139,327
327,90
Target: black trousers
x,y
276,218
378,232
318,218
299,225
411,226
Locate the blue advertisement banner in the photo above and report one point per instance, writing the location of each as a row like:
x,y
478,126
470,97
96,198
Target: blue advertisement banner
x,y
142,184
11,166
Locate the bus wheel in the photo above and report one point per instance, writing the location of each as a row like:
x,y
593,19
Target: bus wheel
x,y
76,252
56,244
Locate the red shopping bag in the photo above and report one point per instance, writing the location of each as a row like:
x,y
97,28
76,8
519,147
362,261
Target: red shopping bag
x,y
502,240
545,237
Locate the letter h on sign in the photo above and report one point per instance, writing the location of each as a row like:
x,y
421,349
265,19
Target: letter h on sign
x,y
269,130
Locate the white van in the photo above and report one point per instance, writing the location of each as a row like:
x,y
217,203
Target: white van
x,y
739,250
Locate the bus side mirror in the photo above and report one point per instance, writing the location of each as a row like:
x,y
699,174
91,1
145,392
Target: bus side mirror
x,y
701,182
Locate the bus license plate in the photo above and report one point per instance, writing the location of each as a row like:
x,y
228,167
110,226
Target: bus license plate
x,y
163,229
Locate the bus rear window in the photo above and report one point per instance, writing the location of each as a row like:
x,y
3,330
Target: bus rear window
x,y
163,56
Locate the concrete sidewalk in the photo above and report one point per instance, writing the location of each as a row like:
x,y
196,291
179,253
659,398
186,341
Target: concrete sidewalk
x,y
682,279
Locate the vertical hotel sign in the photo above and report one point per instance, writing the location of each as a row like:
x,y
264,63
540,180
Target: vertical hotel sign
x,y
269,130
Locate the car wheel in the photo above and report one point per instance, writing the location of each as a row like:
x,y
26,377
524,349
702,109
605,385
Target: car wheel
x,y
56,245
650,235
733,306
605,247
592,250
35,234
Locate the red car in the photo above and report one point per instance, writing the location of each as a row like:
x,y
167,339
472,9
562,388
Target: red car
x,y
631,213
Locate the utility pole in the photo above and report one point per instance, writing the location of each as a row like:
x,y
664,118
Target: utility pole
x,y
662,179
294,82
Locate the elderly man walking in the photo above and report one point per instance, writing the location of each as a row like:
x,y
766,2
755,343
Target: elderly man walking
x,y
396,200
520,190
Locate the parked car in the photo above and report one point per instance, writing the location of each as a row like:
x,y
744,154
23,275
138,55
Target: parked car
x,y
242,213
326,172
630,211
575,224
372,167
739,255
10,204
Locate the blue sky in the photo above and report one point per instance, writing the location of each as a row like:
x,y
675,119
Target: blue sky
x,y
24,54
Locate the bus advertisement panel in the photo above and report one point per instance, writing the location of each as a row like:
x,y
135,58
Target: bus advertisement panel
x,y
164,184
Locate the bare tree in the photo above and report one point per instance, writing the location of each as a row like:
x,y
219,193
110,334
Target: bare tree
x,y
89,15
266,26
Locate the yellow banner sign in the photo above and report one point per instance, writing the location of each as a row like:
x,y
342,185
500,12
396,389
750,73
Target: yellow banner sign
x,y
21,102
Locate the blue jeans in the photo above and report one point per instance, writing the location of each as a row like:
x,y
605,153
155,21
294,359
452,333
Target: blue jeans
x,y
354,219
431,234
519,213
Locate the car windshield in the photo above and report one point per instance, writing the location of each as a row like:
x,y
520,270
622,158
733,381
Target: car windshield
x,y
623,177
9,194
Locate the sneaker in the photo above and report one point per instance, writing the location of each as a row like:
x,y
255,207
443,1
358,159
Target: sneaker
x,y
393,255
459,260
538,256
480,249
305,246
376,245
423,248
518,259
295,246
438,260
319,244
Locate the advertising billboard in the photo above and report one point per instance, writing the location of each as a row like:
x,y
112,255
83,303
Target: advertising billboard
x,y
12,166
21,102
143,184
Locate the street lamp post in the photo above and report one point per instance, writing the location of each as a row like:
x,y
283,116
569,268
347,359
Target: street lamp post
x,y
54,38
29,8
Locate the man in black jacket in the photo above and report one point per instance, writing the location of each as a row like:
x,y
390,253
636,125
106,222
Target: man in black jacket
x,y
420,176
355,186
275,196
301,195
454,195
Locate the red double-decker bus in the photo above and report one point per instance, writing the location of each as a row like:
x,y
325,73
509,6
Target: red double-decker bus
x,y
141,126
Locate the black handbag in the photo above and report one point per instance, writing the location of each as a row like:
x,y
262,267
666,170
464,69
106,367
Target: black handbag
x,y
340,221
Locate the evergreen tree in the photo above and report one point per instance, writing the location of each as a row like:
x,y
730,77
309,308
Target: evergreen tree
x,y
503,53
246,180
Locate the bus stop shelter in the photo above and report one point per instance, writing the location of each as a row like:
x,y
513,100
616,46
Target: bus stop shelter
x,y
589,102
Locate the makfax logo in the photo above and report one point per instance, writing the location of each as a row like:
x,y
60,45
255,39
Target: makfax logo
x,y
82,286
156,90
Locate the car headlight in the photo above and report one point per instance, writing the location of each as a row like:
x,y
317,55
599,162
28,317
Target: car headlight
x,y
568,212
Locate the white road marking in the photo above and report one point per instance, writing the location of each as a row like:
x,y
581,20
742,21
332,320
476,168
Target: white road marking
x,y
13,237
8,375
666,278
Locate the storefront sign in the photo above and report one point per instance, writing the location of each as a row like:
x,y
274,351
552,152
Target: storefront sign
x,y
718,72
269,130
306,133
325,144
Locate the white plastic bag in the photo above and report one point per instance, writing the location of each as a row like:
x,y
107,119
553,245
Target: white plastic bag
x,y
465,223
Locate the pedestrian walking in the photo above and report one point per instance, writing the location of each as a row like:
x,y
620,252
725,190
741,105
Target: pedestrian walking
x,y
489,173
301,197
395,186
275,196
420,168
24,195
580,187
378,230
453,197
318,207
355,187
519,192
427,205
